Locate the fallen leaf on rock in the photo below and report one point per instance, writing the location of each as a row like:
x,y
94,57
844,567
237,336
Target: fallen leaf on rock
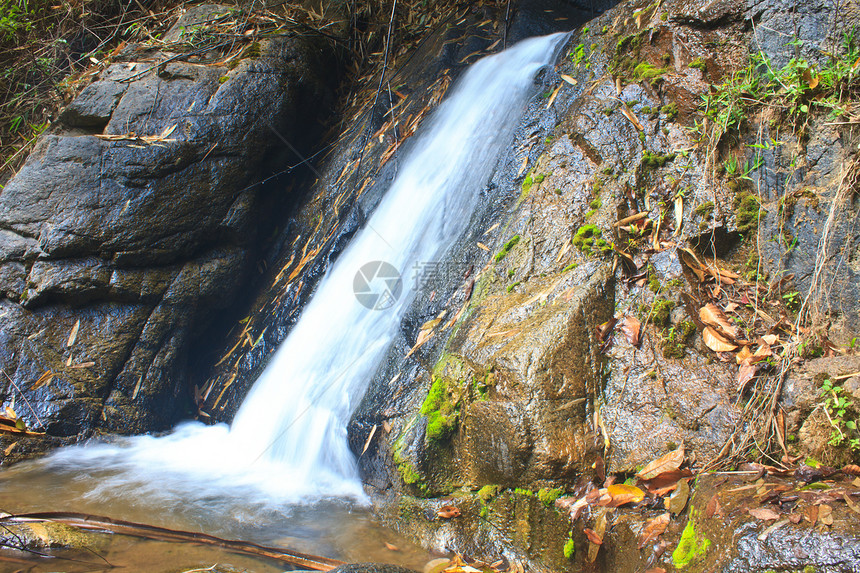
x,y
592,536
665,463
714,317
771,529
852,470
656,570
764,513
568,79
621,493
745,373
666,481
43,380
678,500
850,502
391,547
73,336
811,514
770,339
714,508
715,341
795,518
448,512
599,531
631,327
825,514
653,529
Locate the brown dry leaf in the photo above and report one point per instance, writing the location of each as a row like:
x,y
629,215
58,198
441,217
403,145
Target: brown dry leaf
x,y
631,327
569,79
483,247
43,380
811,513
621,493
852,470
764,513
689,258
745,374
665,463
74,334
9,448
629,115
714,508
653,529
679,498
656,570
666,481
825,514
592,536
795,518
762,353
448,511
714,317
369,438
600,531
743,355
716,342
391,547
850,502
770,339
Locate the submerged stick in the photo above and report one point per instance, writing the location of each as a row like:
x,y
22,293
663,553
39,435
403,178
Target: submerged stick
x,y
93,522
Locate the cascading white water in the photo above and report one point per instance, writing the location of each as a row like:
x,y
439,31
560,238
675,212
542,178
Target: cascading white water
x,y
288,440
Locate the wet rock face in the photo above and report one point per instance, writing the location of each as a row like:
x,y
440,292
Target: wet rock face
x,y
135,221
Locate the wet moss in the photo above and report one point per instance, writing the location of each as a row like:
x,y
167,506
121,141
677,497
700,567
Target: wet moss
x,y
670,110
699,64
589,240
530,181
488,493
660,311
569,549
408,473
676,339
748,212
222,79
705,210
655,161
646,71
440,410
547,496
512,242
692,545
524,492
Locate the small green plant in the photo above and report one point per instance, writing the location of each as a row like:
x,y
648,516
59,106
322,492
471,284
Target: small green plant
x,y
547,496
578,55
792,300
512,242
569,548
840,413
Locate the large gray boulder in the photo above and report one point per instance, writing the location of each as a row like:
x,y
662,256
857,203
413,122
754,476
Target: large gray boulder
x,y
134,223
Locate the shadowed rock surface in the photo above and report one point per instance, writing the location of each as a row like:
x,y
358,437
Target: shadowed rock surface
x,y
137,220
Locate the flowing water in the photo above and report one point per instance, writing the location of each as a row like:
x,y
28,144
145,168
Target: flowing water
x,y
283,471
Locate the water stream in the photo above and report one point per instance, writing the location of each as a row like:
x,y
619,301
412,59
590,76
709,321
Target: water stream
x,y
286,450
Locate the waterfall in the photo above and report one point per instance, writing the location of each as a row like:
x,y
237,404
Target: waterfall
x,y
288,440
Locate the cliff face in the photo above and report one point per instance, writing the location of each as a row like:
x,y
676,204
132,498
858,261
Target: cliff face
x,y
654,284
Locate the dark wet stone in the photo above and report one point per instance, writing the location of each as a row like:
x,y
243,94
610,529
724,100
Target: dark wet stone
x,y
146,242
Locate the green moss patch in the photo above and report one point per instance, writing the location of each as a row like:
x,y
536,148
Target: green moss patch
x,y
442,414
547,496
748,212
512,242
691,547
589,240
654,160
